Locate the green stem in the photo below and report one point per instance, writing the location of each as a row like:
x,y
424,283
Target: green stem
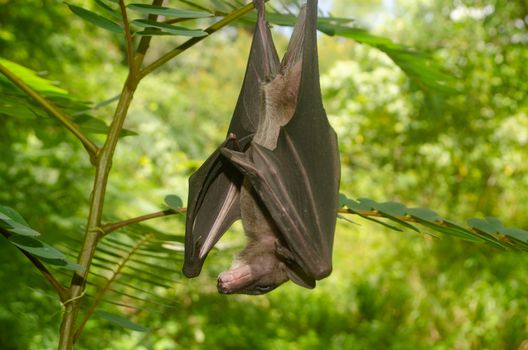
x,y
93,232
53,110
103,164
117,225
128,38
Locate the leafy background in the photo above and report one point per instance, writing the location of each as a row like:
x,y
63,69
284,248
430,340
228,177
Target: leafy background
x,y
411,135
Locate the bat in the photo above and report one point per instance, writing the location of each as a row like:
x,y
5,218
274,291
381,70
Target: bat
x,y
278,171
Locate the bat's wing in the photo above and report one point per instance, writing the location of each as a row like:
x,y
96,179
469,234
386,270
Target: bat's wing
x,y
298,181
215,187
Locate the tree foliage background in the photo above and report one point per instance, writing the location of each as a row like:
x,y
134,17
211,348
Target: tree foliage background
x,y
461,152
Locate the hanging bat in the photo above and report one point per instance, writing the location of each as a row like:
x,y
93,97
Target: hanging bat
x,y
278,171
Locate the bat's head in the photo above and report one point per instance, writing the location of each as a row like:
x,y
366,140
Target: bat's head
x,y
260,273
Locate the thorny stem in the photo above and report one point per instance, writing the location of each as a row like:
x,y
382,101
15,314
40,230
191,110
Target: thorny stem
x,y
54,111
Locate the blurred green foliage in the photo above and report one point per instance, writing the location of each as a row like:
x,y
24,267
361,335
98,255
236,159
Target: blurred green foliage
x,y
461,154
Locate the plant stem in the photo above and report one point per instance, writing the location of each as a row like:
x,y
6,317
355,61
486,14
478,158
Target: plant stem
x,y
108,228
54,111
93,232
128,38
103,164
117,225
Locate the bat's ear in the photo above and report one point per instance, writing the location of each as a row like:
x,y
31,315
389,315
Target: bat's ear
x,y
299,277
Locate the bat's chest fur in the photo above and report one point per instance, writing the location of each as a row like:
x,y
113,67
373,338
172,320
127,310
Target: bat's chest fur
x,y
258,224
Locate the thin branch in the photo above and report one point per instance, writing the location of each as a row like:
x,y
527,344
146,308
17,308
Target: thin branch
x,y
102,170
108,228
144,43
59,288
191,42
117,225
372,213
128,37
53,110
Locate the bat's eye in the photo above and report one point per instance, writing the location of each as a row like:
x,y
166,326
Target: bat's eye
x,y
264,289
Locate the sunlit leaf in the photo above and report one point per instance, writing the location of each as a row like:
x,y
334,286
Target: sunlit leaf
x,y
173,201
167,12
96,19
169,28
30,77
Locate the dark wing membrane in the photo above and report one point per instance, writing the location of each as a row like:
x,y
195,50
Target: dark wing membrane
x,y
299,180
263,61
211,208
214,188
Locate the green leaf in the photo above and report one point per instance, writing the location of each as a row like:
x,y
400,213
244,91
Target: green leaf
x,y
424,214
489,225
121,321
12,221
168,28
167,12
516,233
173,201
96,19
114,13
63,264
13,215
17,108
391,208
343,199
448,231
153,32
31,78
339,216
93,125
36,247
355,205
